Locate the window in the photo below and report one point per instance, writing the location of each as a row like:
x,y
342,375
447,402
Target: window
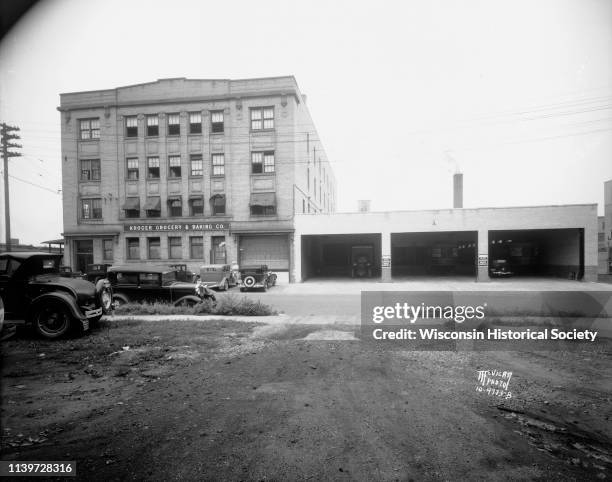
x,y
91,209
218,164
216,121
175,206
195,122
197,165
153,207
131,126
262,118
151,280
174,165
152,125
132,169
217,204
196,247
90,169
262,162
263,210
175,247
153,245
132,207
107,250
263,204
196,206
218,255
133,248
153,167
90,128
174,124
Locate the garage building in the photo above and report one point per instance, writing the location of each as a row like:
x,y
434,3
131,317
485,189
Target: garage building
x,y
539,241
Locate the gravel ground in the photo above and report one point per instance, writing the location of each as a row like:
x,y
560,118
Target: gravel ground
x,y
178,399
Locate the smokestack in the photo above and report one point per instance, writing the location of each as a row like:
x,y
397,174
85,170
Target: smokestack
x,y
458,190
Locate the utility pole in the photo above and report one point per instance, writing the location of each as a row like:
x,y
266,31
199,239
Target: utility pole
x,y
6,154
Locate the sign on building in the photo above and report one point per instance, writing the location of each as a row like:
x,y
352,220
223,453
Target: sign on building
x,y
483,260
175,227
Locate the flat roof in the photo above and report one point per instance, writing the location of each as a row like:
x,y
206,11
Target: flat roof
x,y
451,209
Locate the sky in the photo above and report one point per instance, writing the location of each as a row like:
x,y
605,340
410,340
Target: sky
x,y
515,94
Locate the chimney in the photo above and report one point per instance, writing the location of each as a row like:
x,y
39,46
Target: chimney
x,y
458,190
363,206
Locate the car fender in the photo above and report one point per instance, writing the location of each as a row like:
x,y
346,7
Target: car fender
x,y
64,298
193,298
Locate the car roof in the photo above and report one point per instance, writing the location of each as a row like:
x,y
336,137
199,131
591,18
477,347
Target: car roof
x,y
255,266
141,268
29,254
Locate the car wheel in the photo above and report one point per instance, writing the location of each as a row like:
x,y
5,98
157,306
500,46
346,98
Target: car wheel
x,y
186,303
104,295
118,301
249,281
51,320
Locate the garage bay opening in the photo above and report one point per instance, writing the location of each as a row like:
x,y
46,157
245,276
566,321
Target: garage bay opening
x,y
552,253
355,256
449,253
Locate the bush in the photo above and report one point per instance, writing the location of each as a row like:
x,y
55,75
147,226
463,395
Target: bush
x,y
228,304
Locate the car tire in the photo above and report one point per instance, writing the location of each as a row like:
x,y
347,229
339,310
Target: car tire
x,y
104,295
119,300
51,320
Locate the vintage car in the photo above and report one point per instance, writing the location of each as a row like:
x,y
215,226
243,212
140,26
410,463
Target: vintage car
x,y
256,277
95,272
500,269
217,276
148,283
34,292
183,273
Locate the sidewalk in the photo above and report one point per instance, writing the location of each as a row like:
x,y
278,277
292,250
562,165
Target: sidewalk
x,y
355,286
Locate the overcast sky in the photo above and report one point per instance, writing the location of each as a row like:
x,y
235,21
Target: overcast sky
x,y
516,94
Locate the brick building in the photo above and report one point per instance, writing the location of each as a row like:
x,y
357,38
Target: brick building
x,y
190,171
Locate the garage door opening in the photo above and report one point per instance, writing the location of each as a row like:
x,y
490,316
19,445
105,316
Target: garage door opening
x,y
341,256
271,250
550,253
451,253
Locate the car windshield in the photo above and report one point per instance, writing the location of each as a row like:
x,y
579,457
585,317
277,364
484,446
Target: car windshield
x,y
168,278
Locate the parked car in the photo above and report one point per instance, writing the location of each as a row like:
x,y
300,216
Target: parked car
x,y
34,291
141,283
258,276
500,268
183,274
217,276
96,271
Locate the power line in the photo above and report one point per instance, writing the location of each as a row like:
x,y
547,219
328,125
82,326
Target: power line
x,y
58,191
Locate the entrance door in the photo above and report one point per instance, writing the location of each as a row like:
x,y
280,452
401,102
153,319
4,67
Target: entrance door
x,y
84,254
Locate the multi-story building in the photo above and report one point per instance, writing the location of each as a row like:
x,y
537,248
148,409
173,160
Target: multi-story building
x,y
190,171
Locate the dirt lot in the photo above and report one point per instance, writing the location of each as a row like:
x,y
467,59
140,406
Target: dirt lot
x,y
246,401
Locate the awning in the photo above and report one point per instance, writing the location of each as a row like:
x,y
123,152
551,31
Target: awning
x,y
173,199
153,204
196,197
131,203
263,199
90,234
218,200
